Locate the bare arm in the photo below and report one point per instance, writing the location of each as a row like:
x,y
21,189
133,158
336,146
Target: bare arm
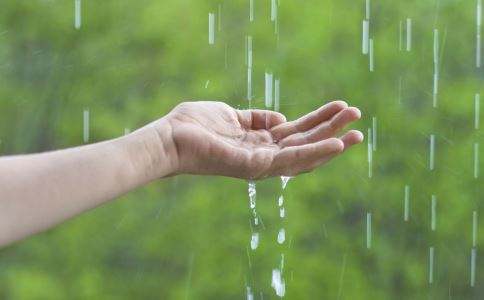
x,y
40,190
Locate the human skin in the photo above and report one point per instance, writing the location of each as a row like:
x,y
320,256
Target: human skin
x,y
38,191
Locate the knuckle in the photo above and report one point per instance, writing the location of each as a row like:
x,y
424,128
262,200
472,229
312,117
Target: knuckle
x,y
333,125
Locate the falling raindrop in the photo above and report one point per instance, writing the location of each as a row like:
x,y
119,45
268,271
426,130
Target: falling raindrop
x,y
254,241
211,28
281,236
86,126
77,14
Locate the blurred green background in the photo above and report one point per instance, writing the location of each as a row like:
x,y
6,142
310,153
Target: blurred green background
x,y
188,237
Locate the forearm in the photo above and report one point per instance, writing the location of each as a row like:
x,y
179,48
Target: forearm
x,y
40,190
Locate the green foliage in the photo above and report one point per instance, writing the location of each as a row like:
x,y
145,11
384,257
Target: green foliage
x,y
187,237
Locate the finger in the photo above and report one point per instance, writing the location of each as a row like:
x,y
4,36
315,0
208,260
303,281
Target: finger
x,y
308,121
324,130
351,138
292,160
314,165
260,119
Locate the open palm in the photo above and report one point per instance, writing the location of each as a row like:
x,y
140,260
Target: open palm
x,y
214,138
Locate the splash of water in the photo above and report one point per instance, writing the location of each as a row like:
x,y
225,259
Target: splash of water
x,y
371,53
365,38
268,89
278,283
211,28
281,236
252,201
250,295
280,201
252,194
77,14
254,241
86,126
409,34
285,180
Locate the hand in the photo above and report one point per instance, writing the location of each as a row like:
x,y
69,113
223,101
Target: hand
x,y
213,138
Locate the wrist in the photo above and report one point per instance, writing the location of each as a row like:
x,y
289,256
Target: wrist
x,y
151,151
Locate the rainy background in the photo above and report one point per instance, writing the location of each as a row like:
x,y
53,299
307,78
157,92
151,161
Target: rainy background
x,y
362,227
